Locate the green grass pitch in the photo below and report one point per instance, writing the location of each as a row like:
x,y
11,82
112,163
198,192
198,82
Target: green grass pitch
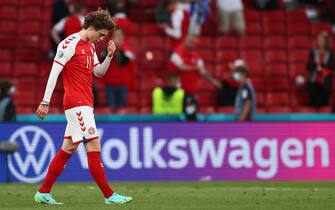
x,y
180,195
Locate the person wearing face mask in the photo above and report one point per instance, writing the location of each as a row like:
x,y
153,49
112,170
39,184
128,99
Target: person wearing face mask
x,y
245,101
168,99
191,108
7,107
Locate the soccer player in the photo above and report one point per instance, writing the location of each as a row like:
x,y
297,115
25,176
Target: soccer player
x,y
76,59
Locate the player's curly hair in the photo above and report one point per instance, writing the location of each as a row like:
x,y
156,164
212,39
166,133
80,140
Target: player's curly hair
x,y
99,19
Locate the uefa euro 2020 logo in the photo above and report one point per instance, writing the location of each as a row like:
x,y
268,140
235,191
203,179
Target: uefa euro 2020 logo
x,y
30,163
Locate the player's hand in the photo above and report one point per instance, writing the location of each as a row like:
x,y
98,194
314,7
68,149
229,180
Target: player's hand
x,y
42,111
111,48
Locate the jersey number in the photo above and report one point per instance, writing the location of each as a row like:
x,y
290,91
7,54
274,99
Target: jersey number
x,y
88,62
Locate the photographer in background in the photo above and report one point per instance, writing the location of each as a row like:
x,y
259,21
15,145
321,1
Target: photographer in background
x,y
245,102
7,107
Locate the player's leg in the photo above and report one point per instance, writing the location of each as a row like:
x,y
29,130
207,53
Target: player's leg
x,y
95,165
55,169
98,173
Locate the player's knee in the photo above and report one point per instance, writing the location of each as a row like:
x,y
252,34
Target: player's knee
x,y
70,149
93,145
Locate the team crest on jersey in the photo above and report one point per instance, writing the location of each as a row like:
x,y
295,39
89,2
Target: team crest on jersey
x,y
60,54
83,52
91,130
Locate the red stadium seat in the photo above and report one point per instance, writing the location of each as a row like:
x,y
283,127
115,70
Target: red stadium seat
x,y
206,99
254,60
132,99
275,56
30,13
208,56
226,42
25,109
278,99
297,42
102,110
274,29
26,3
30,27
9,2
225,109
279,109
153,42
206,42
25,91
254,28
151,29
249,42
305,109
277,84
275,70
26,69
153,59
297,69
252,15
8,13
127,110
6,69
275,42
298,29
273,16
145,110
260,99
205,86
298,56
297,16
30,41
207,109
259,84
224,56
325,109
145,98
6,55
8,27
318,27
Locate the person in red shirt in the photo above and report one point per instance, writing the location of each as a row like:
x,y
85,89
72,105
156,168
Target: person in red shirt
x,y
77,60
179,23
70,24
320,70
186,60
121,74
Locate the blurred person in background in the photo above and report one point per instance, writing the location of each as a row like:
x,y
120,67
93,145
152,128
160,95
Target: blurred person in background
x,y
267,4
178,26
168,99
320,68
186,61
162,14
121,72
7,107
231,15
227,94
121,19
70,24
191,108
199,11
245,102
112,5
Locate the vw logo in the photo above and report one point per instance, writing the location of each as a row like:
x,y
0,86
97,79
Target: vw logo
x,y
30,163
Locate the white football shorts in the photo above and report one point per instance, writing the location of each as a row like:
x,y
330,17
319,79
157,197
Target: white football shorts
x,y
80,124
